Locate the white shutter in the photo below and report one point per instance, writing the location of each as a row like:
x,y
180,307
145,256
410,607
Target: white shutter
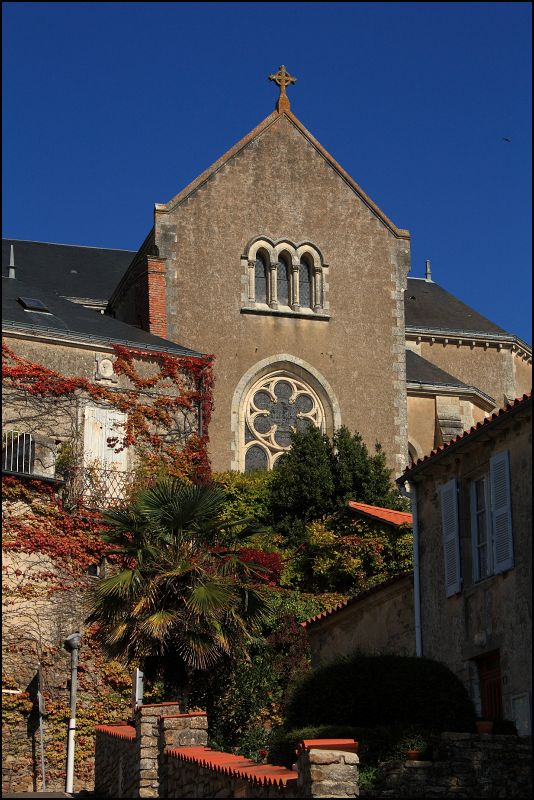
x,y
501,512
101,424
451,538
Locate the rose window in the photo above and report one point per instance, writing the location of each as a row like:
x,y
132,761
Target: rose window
x,y
276,406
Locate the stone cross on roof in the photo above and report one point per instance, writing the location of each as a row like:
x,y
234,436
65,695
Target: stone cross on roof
x,y
282,79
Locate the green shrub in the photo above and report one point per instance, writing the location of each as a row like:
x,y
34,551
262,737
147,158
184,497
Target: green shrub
x,y
383,690
378,743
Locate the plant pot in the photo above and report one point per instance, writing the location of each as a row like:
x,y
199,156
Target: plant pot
x,y
413,755
484,726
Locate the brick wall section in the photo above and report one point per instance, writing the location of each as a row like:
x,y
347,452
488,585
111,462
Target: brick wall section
x,y
157,296
116,761
464,766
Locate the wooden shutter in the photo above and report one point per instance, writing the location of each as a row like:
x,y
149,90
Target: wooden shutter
x,y
451,538
501,512
100,425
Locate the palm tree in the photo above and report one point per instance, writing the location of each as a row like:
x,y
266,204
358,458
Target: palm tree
x,y
182,597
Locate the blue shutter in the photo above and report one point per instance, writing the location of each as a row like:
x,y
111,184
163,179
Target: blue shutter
x,y
451,538
501,512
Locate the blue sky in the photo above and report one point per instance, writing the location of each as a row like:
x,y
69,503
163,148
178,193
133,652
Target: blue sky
x,y
112,107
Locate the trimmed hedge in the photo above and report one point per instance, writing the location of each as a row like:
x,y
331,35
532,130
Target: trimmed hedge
x,y
375,744
383,690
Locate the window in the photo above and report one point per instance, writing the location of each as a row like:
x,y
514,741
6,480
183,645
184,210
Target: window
x,y
275,406
490,524
305,284
283,280
481,533
260,276
287,278
491,521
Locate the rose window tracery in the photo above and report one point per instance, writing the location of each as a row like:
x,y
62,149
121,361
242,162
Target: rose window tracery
x,y
277,405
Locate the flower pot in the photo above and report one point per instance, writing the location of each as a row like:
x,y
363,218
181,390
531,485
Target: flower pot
x,y
413,755
484,726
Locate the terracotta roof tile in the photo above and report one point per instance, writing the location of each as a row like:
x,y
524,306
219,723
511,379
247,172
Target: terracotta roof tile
x,y
384,514
519,401
117,731
234,765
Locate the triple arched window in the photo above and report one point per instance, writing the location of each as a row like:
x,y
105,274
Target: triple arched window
x,y
284,276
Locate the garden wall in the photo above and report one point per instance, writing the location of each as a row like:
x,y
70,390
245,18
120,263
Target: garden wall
x,y
165,755
463,766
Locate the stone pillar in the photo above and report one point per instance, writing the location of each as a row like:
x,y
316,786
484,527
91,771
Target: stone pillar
x,y
272,297
327,768
179,730
147,743
317,289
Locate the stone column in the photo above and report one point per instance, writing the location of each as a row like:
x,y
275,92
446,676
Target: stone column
x,y
273,291
326,771
295,288
317,289
147,744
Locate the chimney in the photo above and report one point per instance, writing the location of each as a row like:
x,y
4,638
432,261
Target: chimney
x,y
11,262
428,273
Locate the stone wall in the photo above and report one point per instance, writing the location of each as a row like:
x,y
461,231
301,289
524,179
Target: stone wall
x,y
464,765
493,614
165,755
379,621
116,761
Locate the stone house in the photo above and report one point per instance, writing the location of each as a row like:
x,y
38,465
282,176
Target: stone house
x,y
472,503
276,260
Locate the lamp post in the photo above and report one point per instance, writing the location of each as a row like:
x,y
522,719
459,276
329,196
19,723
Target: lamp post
x,y
72,644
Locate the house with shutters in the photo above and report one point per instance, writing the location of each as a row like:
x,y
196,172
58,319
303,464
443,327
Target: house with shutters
x,y
86,397
472,526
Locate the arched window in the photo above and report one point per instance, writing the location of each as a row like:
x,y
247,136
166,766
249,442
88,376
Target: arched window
x,y
305,284
260,278
283,280
276,405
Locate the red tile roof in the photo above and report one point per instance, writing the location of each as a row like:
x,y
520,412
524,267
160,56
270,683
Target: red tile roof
x,y
497,415
383,514
352,600
232,765
117,731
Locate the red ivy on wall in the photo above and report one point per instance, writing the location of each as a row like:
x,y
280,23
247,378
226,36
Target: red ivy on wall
x,y
180,384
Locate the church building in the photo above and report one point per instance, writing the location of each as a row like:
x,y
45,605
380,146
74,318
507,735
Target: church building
x,y
278,263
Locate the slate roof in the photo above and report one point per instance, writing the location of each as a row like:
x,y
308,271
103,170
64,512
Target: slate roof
x,y
69,270
428,305
419,370
70,320
519,404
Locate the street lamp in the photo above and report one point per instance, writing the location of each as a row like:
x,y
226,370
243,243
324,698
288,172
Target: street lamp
x,y
72,644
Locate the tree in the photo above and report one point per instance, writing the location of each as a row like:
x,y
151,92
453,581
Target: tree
x,y
182,598
302,488
317,476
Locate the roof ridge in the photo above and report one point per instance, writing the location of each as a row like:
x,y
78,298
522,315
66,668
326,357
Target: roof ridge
x,y
513,404
63,244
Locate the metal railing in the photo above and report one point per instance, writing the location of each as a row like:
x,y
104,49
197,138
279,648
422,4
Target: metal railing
x,y
18,452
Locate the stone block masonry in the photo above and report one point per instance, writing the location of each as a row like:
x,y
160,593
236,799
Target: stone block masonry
x,y
165,755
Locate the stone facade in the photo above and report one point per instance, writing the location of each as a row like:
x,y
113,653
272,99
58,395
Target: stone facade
x,y
281,185
379,621
490,613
